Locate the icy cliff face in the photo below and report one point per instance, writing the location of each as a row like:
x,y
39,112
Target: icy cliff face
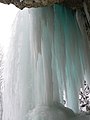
x,y
48,56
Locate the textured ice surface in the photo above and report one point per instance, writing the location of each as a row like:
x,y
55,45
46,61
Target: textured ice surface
x,y
48,55
81,117
53,112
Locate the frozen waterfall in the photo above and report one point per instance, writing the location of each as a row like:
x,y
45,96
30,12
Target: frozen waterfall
x,y
48,57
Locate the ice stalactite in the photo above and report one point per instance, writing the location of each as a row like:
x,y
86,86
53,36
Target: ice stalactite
x,y
47,57
84,54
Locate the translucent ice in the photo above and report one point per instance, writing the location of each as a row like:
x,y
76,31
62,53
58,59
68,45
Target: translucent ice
x,y
47,57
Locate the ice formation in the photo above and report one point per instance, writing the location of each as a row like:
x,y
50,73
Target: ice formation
x,y
48,56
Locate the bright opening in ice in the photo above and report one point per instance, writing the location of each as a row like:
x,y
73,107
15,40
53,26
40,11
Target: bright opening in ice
x,y
7,16
84,97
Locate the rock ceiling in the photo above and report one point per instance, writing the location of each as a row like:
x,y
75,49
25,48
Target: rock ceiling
x,y
36,3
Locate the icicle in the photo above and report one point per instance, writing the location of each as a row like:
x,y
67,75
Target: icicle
x,y
84,49
86,12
